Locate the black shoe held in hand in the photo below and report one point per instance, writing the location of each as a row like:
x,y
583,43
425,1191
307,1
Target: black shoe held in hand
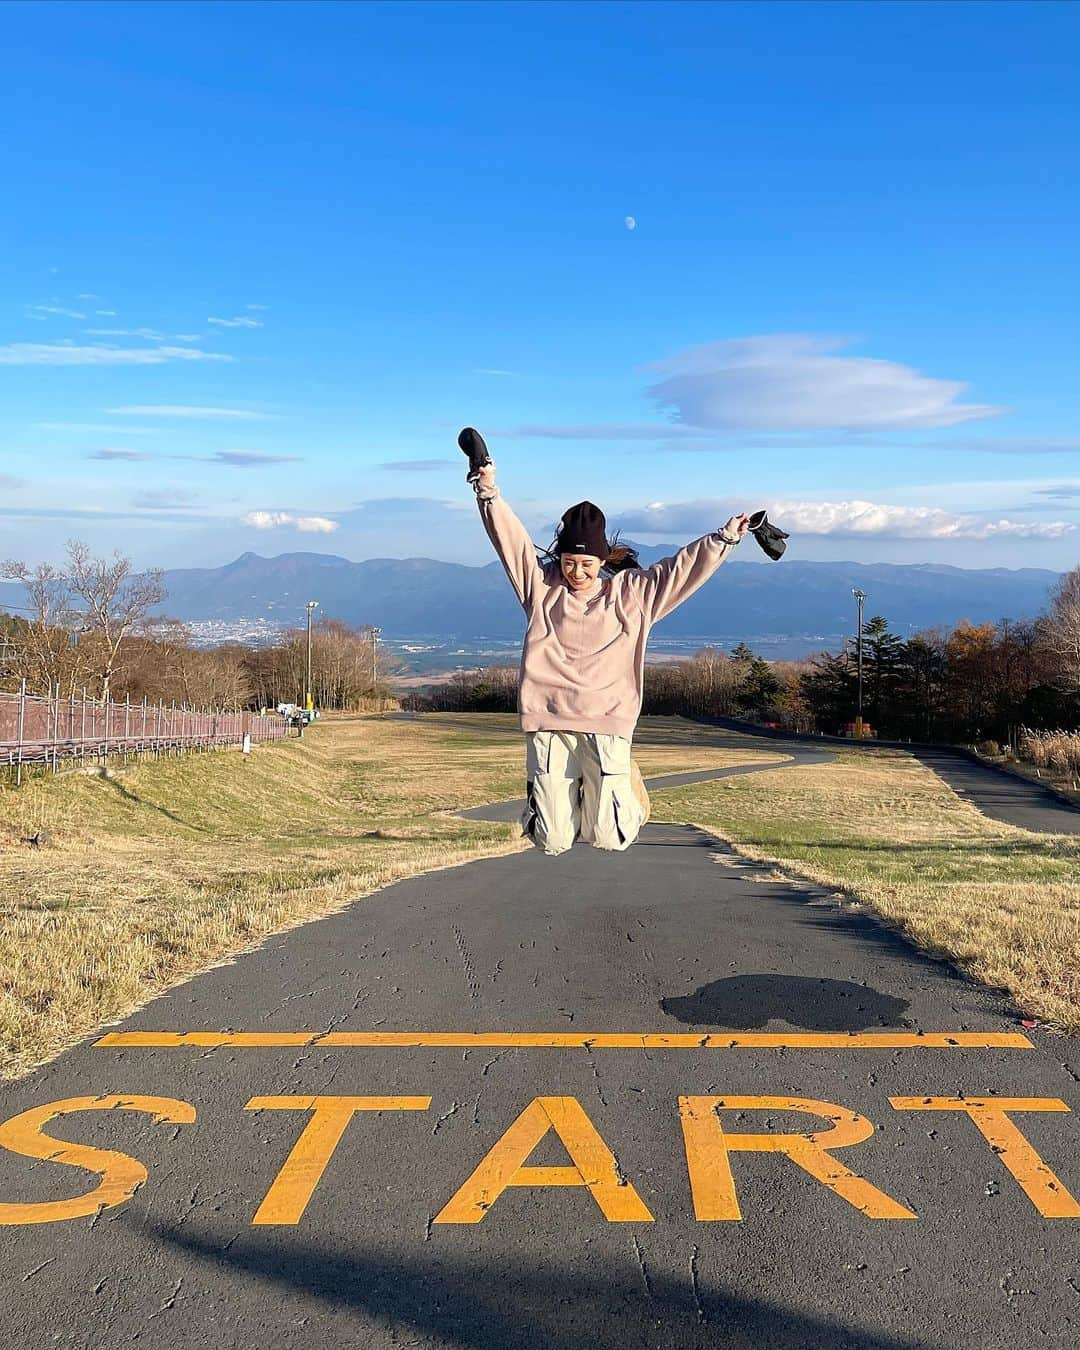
x,y
768,535
473,445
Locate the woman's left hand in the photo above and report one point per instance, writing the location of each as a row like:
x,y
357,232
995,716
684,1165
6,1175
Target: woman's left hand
x,y
738,525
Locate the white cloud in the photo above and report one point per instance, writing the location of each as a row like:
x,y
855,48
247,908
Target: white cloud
x,y
845,519
602,431
95,427
492,370
106,313
271,520
256,306
243,459
268,520
906,522
236,323
40,311
187,337
9,483
134,456
163,499
416,465
237,459
62,354
185,410
126,332
794,382
86,295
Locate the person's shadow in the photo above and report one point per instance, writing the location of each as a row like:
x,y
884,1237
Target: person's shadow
x,y
745,1001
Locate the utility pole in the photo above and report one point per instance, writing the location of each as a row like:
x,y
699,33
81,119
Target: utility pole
x,y
375,656
860,596
311,607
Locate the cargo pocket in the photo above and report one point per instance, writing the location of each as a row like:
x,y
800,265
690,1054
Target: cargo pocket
x,y
528,815
621,815
613,752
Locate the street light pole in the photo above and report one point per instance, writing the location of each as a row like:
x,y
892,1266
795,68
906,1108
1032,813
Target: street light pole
x,y
311,607
375,656
860,596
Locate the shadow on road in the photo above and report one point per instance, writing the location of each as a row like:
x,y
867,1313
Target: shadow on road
x,y
812,1004
488,1305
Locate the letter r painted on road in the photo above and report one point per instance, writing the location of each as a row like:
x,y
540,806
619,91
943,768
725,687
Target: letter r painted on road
x,y
708,1145
594,1166
990,1117
294,1185
121,1175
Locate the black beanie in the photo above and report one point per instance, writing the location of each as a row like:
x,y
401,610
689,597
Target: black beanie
x,y
582,531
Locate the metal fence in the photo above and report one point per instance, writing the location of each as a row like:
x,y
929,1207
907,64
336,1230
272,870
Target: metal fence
x,y
54,729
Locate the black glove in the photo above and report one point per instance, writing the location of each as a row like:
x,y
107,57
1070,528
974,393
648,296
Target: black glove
x,y
472,443
768,536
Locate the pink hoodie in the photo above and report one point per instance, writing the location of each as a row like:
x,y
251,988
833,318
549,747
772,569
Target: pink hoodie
x,y
583,662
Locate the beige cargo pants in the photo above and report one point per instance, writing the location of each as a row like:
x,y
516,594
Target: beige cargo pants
x,y
578,786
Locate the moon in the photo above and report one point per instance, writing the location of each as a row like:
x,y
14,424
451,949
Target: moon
x,y
631,223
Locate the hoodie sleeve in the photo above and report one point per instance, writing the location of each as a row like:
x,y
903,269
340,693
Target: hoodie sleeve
x,y
667,583
516,550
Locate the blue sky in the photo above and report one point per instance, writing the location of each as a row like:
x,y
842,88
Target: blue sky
x,y
259,263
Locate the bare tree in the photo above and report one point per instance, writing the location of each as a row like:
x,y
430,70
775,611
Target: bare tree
x,y
46,650
117,600
1061,629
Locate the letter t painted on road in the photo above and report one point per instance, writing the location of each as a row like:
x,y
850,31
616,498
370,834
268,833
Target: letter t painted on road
x,y
990,1117
295,1184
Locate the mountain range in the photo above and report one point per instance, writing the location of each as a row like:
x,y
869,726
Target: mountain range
x,y
408,597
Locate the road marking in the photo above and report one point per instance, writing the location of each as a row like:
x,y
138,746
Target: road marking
x,y
594,1166
990,1117
121,1175
562,1040
708,1144
294,1185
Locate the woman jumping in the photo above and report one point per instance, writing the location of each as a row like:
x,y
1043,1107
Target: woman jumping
x,y
589,611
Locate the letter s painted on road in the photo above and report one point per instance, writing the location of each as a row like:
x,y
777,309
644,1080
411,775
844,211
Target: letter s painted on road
x,y
121,1175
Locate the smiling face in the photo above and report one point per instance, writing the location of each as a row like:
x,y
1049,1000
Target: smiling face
x,y
580,570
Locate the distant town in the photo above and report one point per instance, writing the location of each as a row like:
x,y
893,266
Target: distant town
x,y
432,655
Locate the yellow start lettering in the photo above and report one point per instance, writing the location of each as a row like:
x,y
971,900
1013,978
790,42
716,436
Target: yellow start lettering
x,y
121,1176
295,1184
708,1145
593,1166
990,1117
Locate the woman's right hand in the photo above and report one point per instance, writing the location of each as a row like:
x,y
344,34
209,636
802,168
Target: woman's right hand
x,y
486,476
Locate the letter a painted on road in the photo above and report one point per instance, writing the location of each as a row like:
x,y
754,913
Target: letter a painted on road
x,y
121,1175
708,1145
1038,1183
594,1165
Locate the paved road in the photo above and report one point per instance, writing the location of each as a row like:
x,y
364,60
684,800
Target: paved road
x,y
1001,795
996,792
710,1222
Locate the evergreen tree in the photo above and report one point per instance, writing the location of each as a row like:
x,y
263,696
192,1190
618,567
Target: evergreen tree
x,y
828,688
760,689
882,671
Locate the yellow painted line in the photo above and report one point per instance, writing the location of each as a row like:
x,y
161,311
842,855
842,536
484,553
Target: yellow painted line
x,y
563,1040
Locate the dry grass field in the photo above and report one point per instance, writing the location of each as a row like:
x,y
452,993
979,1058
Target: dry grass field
x,y
1004,904
159,870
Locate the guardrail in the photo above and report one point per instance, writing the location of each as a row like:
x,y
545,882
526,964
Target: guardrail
x,y
53,729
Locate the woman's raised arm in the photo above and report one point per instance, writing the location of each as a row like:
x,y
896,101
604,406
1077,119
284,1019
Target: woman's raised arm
x,y
515,548
667,583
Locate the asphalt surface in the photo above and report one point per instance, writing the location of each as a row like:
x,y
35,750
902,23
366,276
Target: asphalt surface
x,y
675,936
